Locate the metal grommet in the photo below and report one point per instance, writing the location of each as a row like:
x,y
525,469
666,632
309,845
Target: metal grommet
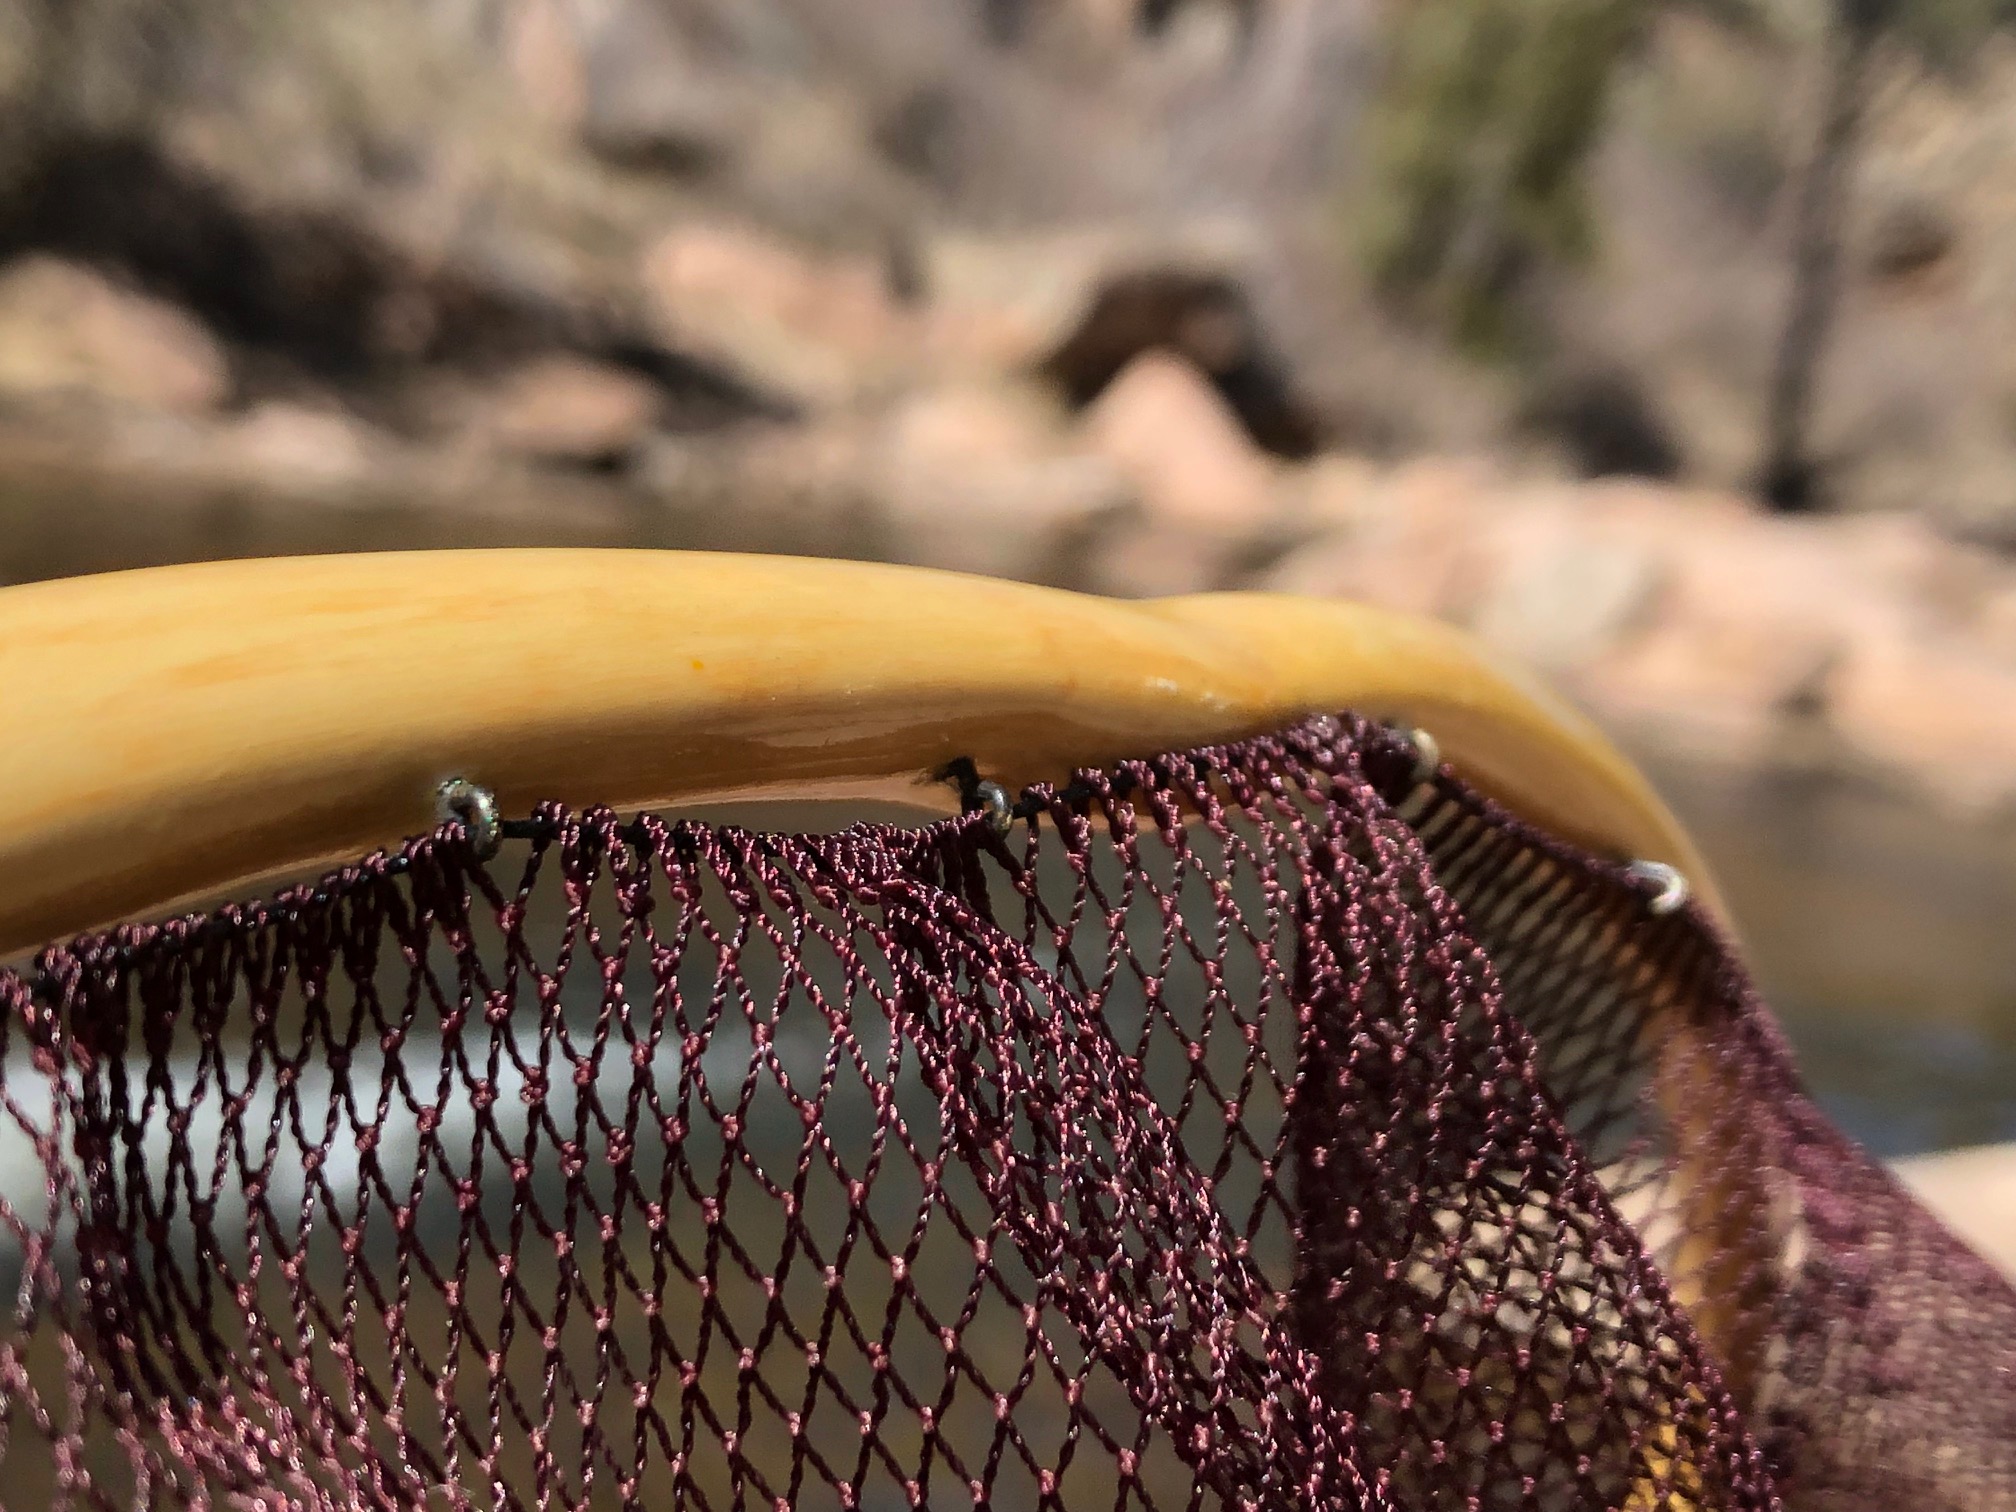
x,y
994,802
1427,755
475,807
1670,888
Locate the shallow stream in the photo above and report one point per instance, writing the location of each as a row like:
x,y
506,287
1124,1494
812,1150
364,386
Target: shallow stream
x,y
1883,936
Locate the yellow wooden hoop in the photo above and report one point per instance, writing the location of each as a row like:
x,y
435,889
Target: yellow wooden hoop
x,y
172,732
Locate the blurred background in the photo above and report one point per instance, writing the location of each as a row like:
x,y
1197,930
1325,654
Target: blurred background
x,y
1668,344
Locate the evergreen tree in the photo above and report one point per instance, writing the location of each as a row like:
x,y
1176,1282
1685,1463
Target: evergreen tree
x,y
1480,142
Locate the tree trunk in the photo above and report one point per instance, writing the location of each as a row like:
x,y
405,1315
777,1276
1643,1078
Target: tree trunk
x,y
1789,477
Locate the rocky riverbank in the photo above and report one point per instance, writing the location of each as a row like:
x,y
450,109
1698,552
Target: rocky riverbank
x,y
944,433
1062,290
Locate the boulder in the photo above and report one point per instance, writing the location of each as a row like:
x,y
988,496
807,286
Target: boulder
x,y
1691,615
1408,539
823,331
970,429
1722,687
1111,26
1695,617
1160,560
570,410
1995,621
298,447
547,61
1335,491
1003,304
1562,595
1209,320
1754,613
982,479
1936,711
1177,441
1017,302
67,329
654,103
1904,556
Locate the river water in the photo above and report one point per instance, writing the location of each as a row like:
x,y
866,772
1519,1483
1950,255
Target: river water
x,y
1885,939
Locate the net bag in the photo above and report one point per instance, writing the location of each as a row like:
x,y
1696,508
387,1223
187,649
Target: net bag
x,y
1258,1127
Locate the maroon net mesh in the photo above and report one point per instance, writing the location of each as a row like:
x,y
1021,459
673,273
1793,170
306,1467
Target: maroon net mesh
x,y
1252,1129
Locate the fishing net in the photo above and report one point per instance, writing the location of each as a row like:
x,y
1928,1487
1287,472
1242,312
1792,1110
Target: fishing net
x,y
1259,1127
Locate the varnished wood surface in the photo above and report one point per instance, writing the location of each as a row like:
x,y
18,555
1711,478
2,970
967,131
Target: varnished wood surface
x,y
170,732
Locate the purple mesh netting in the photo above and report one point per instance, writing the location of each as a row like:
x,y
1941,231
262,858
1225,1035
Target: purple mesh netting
x,y
1248,1131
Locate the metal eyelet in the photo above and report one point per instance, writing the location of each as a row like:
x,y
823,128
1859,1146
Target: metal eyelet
x,y
1670,888
475,808
1427,755
993,801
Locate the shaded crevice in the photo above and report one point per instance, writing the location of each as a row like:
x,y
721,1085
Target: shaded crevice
x,y
1606,422
1205,318
315,292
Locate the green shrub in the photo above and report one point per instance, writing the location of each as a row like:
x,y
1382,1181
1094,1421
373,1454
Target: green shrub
x,y
1479,143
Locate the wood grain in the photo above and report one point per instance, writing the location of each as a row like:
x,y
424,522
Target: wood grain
x,y
171,732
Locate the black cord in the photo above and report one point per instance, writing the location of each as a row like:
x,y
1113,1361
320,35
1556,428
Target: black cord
x,y
964,775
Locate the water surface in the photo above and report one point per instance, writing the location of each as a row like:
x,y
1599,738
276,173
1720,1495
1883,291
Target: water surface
x,y
1882,935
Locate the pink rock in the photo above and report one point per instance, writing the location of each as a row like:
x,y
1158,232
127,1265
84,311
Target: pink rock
x,y
982,480
1691,615
1995,620
1168,430
292,446
568,409
544,51
64,328
1562,590
1700,620
821,330
1336,492
1719,687
966,430
1002,303
1158,561
1754,614
1819,574
1935,710
1411,543
1113,24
